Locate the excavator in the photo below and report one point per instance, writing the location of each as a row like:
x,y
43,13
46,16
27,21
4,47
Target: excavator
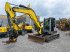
x,y
42,35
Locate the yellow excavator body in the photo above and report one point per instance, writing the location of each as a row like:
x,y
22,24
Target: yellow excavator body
x,y
3,29
28,27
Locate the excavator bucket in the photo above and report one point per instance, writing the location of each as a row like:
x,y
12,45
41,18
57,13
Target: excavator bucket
x,y
41,39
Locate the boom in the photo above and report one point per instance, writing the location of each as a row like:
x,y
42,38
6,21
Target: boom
x,y
11,12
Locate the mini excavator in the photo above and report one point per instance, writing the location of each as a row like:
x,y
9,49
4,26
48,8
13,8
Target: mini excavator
x,y
45,33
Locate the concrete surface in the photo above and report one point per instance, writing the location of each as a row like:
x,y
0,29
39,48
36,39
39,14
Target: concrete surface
x,y
25,45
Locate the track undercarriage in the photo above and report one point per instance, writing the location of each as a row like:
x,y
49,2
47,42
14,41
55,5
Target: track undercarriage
x,y
45,38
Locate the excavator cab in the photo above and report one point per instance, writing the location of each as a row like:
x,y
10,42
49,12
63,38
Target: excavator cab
x,y
49,25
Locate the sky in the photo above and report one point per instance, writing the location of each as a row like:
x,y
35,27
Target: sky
x,y
43,8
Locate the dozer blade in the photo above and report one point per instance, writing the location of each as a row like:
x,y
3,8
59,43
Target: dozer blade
x,y
36,38
46,38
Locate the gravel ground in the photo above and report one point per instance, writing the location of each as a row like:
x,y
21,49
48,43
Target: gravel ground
x,y
25,45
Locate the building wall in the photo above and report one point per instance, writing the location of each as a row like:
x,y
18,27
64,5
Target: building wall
x,y
26,19
3,20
